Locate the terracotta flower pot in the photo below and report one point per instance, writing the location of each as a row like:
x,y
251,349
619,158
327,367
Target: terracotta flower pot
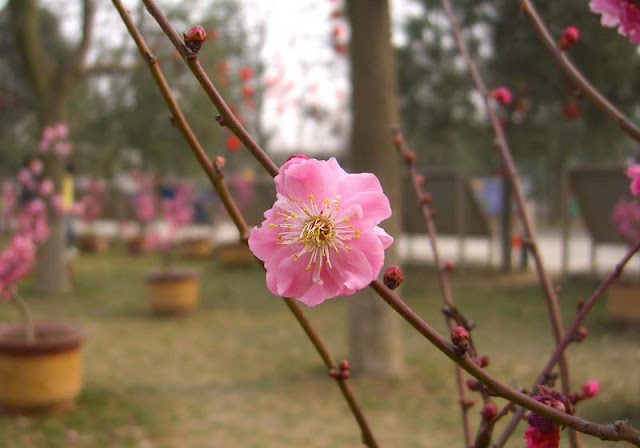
x,y
235,255
172,292
197,247
92,243
623,302
41,375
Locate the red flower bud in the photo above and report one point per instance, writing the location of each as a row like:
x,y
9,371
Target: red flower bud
x,y
502,95
233,143
488,411
569,36
409,156
460,339
194,38
246,73
450,265
482,361
425,198
474,384
398,139
344,365
571,111
393,277
419,179
248,91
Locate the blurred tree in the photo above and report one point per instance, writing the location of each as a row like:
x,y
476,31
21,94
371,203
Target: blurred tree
x,y
549,126
374,328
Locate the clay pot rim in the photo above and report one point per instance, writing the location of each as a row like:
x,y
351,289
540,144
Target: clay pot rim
x,y
170,275
62,337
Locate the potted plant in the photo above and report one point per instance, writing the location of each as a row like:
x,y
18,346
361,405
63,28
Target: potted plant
x,y
623,300
40,362
89,209
171,290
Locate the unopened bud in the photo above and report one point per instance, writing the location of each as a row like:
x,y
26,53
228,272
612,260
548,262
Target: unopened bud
x,y
344,365
450,265
425,198
466,403
409,156
488,411
393,277
397,139
419,179
460,339
482,361
581,333
569,36
502,95
474,385
571,110
194,38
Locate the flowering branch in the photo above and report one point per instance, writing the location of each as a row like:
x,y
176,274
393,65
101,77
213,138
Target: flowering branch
x,y
523,213
576,76
619,430
226,117
441,268
215,174
570,336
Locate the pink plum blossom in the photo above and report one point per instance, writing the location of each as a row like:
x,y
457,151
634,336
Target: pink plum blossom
x,y
61,130
16,261
46,187
590,389
33,220
625,218
624,14
25,178
633,172
321,238
535,438
57,204
502,95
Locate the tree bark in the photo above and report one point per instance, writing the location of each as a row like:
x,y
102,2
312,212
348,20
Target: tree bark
x,y
374,329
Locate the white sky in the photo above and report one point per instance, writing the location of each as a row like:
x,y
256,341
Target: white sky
x,y
296,48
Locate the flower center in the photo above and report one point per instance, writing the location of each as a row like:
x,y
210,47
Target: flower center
x,y
318,228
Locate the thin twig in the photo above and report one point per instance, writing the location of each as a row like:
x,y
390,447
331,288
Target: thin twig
x,y
580,81
569,337
619,430
523,212
441,270
27,318
216,177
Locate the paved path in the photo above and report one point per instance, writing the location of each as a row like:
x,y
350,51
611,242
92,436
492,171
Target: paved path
x,y
477,251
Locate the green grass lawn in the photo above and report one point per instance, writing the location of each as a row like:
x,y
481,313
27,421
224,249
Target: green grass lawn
x,y
239,372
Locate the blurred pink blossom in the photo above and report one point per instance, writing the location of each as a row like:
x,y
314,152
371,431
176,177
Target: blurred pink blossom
x,y
590,388
624,14
321,238
16,261
535,438
57,204
46,187
625,218
633,172
62,149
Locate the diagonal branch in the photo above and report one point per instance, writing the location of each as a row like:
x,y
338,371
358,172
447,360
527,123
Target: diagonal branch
x,y
80,53
576,76
215,175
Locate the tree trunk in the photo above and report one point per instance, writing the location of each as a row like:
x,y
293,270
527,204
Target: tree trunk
x,y
374,328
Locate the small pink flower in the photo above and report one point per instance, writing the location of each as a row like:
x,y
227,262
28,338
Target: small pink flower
x,y
46,187
624,14
590,388
502,95
535,438
321,238
49,133
25,178
61,130
16,261
633,172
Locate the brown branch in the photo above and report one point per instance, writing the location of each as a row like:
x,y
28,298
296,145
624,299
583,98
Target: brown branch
x,y
447,297
227,118
523,213
114,68
569,337
80,53
215,175
576,76
617,431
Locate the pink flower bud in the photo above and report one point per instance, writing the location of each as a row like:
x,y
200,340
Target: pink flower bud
x,y
460,339
24,177
344,365
194,38
570,36
488,411
61,130
571,110
473,384
409,156
502,95
233,143
393,277
398,139
590,388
